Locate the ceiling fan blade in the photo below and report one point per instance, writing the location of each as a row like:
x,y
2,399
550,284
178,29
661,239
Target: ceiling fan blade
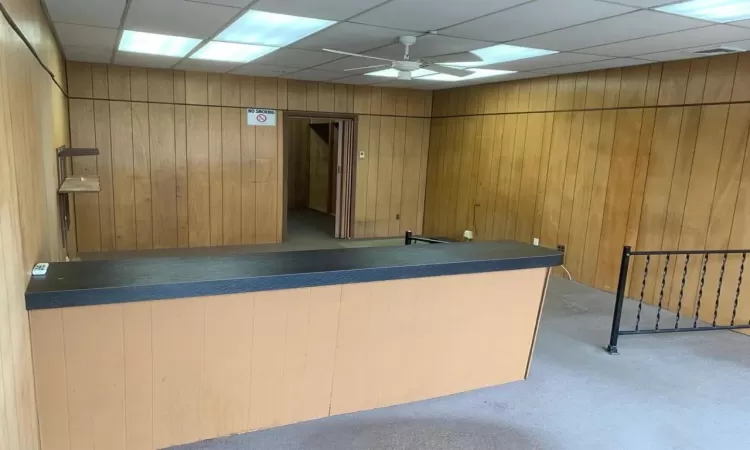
x,y
368,67
453,58
341,52
449,70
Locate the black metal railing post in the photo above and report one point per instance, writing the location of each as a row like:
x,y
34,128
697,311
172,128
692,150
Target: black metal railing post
x,y
619,300
407,237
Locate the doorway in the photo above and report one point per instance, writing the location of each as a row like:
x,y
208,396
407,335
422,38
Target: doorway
x,y
318,180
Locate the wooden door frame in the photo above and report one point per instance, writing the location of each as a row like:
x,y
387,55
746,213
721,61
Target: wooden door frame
x,y
293,114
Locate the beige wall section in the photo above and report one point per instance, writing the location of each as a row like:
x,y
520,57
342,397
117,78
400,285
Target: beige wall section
x,y
653,156
266,359
176,155
298,170
33,122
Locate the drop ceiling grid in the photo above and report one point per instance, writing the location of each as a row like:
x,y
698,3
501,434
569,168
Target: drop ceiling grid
x,y
589,33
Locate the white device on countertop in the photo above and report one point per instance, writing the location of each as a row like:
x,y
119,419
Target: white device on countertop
x,y
40,269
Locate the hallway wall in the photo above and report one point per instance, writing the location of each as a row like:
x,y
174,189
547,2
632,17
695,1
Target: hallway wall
x,y
320,165
653,156
33,123
298,172
180,168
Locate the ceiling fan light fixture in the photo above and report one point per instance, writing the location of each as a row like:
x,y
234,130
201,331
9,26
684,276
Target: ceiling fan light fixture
x,y
276,30
721,11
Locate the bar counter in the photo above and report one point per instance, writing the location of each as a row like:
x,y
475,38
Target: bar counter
x,y
148,353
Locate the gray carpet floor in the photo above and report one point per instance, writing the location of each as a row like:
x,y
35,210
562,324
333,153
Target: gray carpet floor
x,y
680,391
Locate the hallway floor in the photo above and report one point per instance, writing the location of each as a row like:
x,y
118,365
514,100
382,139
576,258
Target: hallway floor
x,y
309,225
306,230
679,391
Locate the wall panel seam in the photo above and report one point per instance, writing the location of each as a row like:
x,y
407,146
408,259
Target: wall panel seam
x,y
30,47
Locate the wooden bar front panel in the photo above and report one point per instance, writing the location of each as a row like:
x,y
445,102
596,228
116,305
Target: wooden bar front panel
x,y
148,375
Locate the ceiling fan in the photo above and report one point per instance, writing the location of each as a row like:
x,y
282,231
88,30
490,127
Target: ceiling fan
x,y
406,66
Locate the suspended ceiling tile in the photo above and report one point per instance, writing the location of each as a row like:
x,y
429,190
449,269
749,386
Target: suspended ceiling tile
x,y
430,45
362,79
426,15
350,37
596,65
178,17
87,54
86,36
536,17
144,60
319,9
690,52
741,23
314,75
522,76
614,29
350,62
293,57
646,3
203,65
102,13
546,61
261,70
410,84
232,3
495,79
711,35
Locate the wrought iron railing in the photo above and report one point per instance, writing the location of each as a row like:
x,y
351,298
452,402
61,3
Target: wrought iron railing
x,y
410,239
682,307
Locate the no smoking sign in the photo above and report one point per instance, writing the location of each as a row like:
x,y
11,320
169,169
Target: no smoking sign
x,y
261,117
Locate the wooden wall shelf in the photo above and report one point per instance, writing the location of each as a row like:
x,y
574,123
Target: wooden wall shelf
x,y
72,185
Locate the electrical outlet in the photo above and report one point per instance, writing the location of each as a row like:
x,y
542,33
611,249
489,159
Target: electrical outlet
x,y
536,241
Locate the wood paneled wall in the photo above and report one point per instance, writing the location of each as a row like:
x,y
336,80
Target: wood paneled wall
x,y
33,122
175,371
31,19
298,160
319,193
180,168
653,156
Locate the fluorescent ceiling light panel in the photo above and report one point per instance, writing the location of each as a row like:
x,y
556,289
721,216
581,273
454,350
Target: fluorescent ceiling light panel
x,y
227,51
156,44
478,73
502,53
277,30
393,73
721,11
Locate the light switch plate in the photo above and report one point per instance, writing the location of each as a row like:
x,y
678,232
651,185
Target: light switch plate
x,y
361,155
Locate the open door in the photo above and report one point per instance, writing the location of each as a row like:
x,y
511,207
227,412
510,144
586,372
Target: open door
x,y
344,178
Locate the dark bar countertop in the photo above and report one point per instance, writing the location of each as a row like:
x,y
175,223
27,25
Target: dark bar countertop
x,y
106,282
